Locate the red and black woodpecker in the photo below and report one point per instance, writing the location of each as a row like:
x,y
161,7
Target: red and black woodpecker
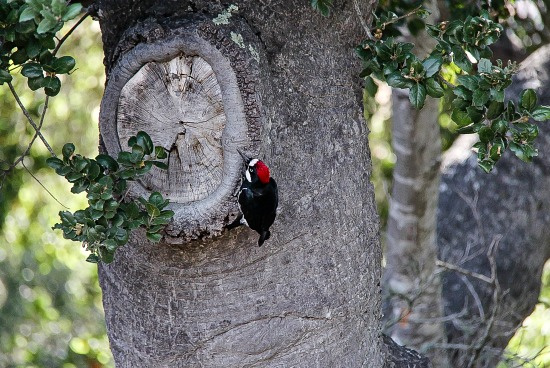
x,y
258,198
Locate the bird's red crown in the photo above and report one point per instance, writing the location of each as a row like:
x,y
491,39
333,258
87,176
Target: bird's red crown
x,y
263,172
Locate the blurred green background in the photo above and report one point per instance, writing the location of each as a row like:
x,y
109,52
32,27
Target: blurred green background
x,y
50,302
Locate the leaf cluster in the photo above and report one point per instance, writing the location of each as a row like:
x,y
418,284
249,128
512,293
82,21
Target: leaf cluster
x,y
478,105
106,223
28,34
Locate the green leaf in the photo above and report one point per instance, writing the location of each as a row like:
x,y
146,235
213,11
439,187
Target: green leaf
x,y
151,209
461,60
500,126
107,162
93,170
36,83
25,27
67,150
480,97
20,56
160,153
106,256
121,236
497,95
92,258
64,64
528,99
72,11
5,76
47,24
462,92
52,85
155,238
145,142
160,165
417,95
433,88
33,48
486,165
432,64
32,70
495,109
461,118
57,6
54,163
486,134
322,6
156,199
484,66
27,14
519,152
110,244
370,86
110,205
67,218
471,82
541,113
396,80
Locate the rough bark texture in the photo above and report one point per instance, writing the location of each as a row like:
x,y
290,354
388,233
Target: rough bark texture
x,y
412,294
401,357
310,296
511,204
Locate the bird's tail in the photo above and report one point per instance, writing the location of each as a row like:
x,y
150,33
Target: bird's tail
x,y
263,237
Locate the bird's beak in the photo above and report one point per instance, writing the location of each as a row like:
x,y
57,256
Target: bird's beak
x,y
245,157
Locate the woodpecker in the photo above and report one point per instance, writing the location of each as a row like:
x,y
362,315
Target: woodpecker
x,y
258,198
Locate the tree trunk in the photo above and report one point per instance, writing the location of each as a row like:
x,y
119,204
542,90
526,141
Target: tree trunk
x,y
509,207
289,92
412,291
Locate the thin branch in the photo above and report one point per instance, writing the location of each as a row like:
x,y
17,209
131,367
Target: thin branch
x,y
69,32
26,153
452,267
391,21
446,82
42,185
362,19
29,118
485,337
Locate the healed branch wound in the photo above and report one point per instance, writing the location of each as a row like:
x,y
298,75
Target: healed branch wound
x,y
185,91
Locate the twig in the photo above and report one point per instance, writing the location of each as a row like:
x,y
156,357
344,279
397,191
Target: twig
x,y
42,185
475,295
496,296
362,19
69,33
446,82
391,21
452,267
29,118
20,158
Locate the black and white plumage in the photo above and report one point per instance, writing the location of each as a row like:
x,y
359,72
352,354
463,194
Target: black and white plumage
x,y
258,198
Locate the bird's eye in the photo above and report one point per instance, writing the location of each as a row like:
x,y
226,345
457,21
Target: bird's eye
x,y
250,170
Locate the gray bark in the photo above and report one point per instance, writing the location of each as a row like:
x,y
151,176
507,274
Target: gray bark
x,y
310,296
511,206
412,294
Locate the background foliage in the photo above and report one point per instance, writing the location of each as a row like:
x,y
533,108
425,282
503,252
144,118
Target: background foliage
x,y
50,302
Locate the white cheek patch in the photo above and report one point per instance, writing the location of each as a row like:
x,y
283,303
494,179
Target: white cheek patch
x,y
253,162
247,174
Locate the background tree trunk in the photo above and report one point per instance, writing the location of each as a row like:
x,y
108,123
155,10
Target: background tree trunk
x,y
510,206
412,291
310,296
